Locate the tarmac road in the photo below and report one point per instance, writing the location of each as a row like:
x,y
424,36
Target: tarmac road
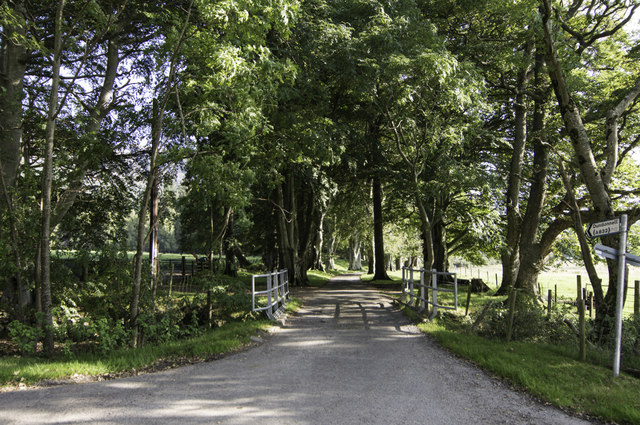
x,y
348,357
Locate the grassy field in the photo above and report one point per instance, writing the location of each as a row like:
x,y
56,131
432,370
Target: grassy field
x,y
564,279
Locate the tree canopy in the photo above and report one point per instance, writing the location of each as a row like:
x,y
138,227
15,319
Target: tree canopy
x,y
300,129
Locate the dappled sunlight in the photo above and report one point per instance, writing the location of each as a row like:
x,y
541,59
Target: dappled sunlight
x,y
349,356
127,385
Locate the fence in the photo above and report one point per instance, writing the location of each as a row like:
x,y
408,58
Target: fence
x,y
277,293
409,286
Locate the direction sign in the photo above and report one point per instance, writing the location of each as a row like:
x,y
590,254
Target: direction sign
x,y
603,228
612,253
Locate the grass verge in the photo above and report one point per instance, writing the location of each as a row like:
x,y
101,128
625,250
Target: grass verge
x,y
549,373
26,371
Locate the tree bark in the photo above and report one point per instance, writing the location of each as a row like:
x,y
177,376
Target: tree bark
x,y
229,252
318,243
47,183
440,254
18,301
331,245
531,252
156,134
573,122
13,58
153,228
442,200
585,249
371,260
380,273
510,253
355,252
286,219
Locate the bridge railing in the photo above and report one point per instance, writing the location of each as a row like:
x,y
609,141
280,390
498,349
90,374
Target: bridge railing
x,y
277,293
425,282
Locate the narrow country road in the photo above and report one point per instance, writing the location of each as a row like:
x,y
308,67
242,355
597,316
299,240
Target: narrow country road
x,y
348,357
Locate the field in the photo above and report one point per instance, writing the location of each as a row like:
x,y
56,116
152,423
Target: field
x,y
565,278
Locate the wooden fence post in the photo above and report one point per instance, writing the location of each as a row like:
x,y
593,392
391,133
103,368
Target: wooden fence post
x,y
636,300
549,305
466,310
579,287
171,278
184,270
209,308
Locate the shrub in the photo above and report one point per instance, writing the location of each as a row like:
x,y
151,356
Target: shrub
x,y
530,323
24,336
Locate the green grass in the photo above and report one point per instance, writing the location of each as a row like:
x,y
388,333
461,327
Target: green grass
x,y
563,278
550,373
394,283
31,370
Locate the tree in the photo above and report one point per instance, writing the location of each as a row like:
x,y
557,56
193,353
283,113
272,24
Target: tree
x,y
13,59
164,93
584,35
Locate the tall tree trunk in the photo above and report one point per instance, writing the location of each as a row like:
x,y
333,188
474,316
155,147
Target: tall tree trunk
x,y
270,258
230,256
585,249
13,59
212,235
19,300
371,259
440,257
156,136
308,223
509,255
153,229
134,307
331,245
355,252
416,169
47,183
318,243
286,228
380,273
531,254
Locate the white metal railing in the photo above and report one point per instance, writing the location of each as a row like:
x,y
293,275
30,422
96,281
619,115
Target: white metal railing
x,y
420,301
277,293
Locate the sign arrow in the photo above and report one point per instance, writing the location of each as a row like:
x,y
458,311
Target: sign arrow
x,y
612,253
602,228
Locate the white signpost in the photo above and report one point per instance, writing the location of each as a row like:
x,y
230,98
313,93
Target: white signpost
x,y
602,228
